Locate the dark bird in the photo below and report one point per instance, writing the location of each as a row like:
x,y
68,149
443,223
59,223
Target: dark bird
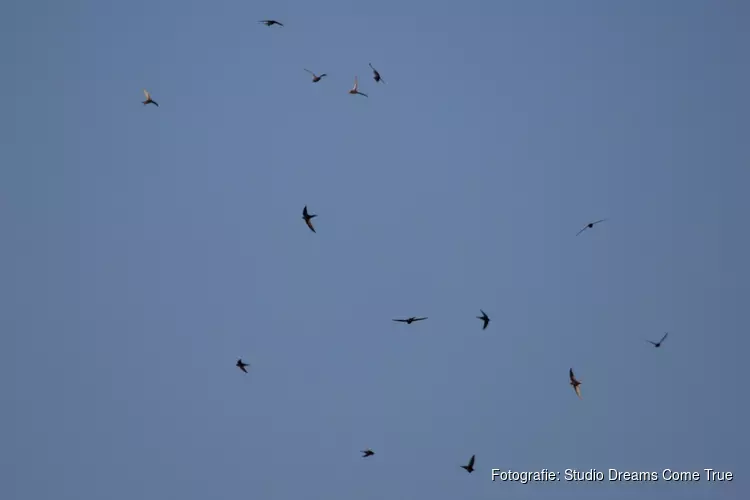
x,y
367,453
316,78
484,318
270,22
355,89
575,383
308,218
148,99
409,321
241,365
590,225
375,74
658,344
470,468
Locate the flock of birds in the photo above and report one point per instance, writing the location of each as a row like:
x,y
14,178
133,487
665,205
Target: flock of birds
x,y
307,217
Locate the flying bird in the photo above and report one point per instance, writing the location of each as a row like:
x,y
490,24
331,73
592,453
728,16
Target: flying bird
x,y
316,78
148,99
367,453
270,22
241,365
470,468
575,383
658,344
308,218
375,74
355,89
590,225
409,321
484,318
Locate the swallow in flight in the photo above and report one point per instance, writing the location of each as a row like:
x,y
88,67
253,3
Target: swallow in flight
x,y
575,383
241,365
315,77
270,22
148,99
355,89
590,225
658,344
375,74
367,453
484,318
470,468
409,321
308,218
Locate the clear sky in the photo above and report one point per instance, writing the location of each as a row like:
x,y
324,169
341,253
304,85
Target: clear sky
x,y
143,249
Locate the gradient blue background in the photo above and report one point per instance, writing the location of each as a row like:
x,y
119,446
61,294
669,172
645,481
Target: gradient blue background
x,y
145,249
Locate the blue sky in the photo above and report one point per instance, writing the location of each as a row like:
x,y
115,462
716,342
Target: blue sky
x,y
145,249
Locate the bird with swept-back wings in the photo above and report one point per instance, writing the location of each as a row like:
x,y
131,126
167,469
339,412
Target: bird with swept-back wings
x,y
484,318
355,89
590,225
308,218
376,75
658,344
315,78
470,468
148,99
270,22
575,383
242,365
409,321
367,453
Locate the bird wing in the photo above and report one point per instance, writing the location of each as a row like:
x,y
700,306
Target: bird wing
x,y
148,96
664,337
582,230
471,462
313,74
650,342
401,320
418,319
486,322
371,66
600,220
304,211
356,83
279,23
572,376
309,224
578,391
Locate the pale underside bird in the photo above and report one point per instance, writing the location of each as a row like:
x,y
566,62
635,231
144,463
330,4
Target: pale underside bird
x,y
355,89
148,99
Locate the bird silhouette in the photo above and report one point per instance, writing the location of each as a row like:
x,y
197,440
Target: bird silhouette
x,y
148,99
409,321
470,468
315,77
575,383
484,318
308,218
590,225
355,89
367,453
658,344
270,22
375,74
241,365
